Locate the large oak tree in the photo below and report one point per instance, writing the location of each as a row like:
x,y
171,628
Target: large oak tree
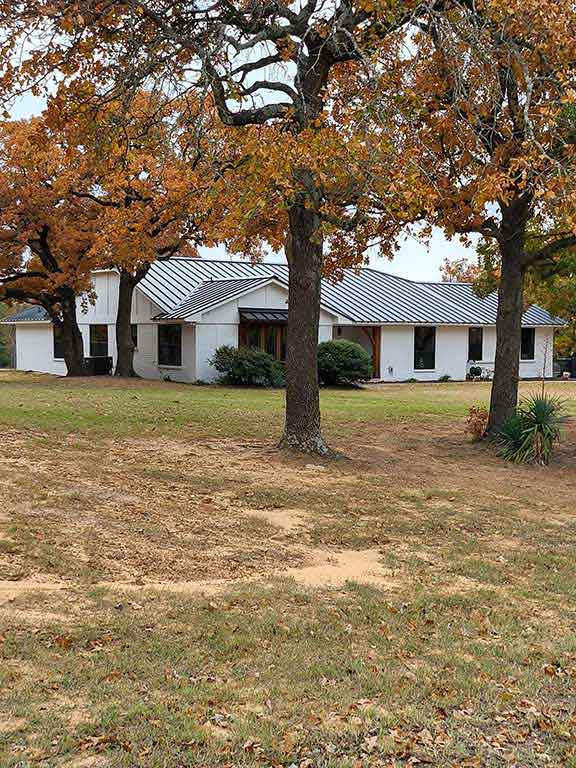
x,y
269,64
489,101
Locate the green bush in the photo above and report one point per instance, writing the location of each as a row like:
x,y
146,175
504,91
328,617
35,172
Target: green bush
x,y
248,367
343,362
528,437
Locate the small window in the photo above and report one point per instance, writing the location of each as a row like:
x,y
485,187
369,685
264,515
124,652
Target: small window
x,y
475,344
134,332
170,345
58,343
424,348
528,344
98,341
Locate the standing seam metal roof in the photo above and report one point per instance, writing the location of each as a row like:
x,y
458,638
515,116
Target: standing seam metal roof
x,y
35,314
364,295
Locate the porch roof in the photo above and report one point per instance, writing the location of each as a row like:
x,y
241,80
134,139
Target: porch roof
x,y
264,315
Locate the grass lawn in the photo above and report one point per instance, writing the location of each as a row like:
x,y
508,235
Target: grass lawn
x,y
175,592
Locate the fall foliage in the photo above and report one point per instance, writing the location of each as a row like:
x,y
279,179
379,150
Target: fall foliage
x,y
489,102
274,68
358,117
79,195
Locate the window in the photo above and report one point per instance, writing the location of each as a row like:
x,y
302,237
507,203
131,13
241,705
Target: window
x,y
170,345
528,344
269,337
424,348
475,339
58,343
98,341
134,332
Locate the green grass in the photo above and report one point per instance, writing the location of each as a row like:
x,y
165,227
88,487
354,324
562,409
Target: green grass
x,y
46,403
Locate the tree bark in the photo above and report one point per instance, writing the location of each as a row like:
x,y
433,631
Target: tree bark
x,y
124,344
72,342
304,251
504,398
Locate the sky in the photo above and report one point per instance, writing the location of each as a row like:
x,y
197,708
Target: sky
x,y
414,260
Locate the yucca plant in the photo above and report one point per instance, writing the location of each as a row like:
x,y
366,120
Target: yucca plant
x,y
529,436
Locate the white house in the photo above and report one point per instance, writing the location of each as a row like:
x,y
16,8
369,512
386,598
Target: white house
x,y
185,308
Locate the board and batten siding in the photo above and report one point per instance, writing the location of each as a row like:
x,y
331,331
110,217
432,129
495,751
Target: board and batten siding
x,y
220,326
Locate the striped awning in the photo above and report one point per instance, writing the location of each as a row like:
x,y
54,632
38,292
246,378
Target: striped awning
x,y
264,315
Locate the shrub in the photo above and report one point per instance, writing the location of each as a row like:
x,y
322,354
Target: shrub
x,y
529,436
477,422
444,378
343,362
248,367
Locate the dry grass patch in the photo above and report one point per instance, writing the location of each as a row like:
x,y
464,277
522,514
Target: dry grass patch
x,y
176,594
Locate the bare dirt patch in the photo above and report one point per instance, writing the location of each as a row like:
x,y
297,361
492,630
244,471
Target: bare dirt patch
x,y
333,569
193,517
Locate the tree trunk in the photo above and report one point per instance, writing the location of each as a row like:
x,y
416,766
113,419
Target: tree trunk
x,y
304,253
72,342
124,344
504,397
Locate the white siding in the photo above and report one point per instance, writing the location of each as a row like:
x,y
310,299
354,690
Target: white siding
x,y
35,349
219,326
529,369
452,353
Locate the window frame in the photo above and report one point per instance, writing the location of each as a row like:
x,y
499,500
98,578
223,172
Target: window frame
x,y
93,343
161,328
134,334
263,330
471,329
57,342
417,329
532,345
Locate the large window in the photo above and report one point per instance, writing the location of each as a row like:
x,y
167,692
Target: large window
x,y
58,343
475,344
424,348
98,341
170,345
528,344
269,337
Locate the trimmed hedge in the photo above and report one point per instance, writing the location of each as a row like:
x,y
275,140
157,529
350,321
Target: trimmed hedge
x,y
247,367
343,362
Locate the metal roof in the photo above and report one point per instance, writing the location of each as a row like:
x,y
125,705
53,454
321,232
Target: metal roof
x,y
464,295
211,294
29,315
364,295
182,287
260,315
